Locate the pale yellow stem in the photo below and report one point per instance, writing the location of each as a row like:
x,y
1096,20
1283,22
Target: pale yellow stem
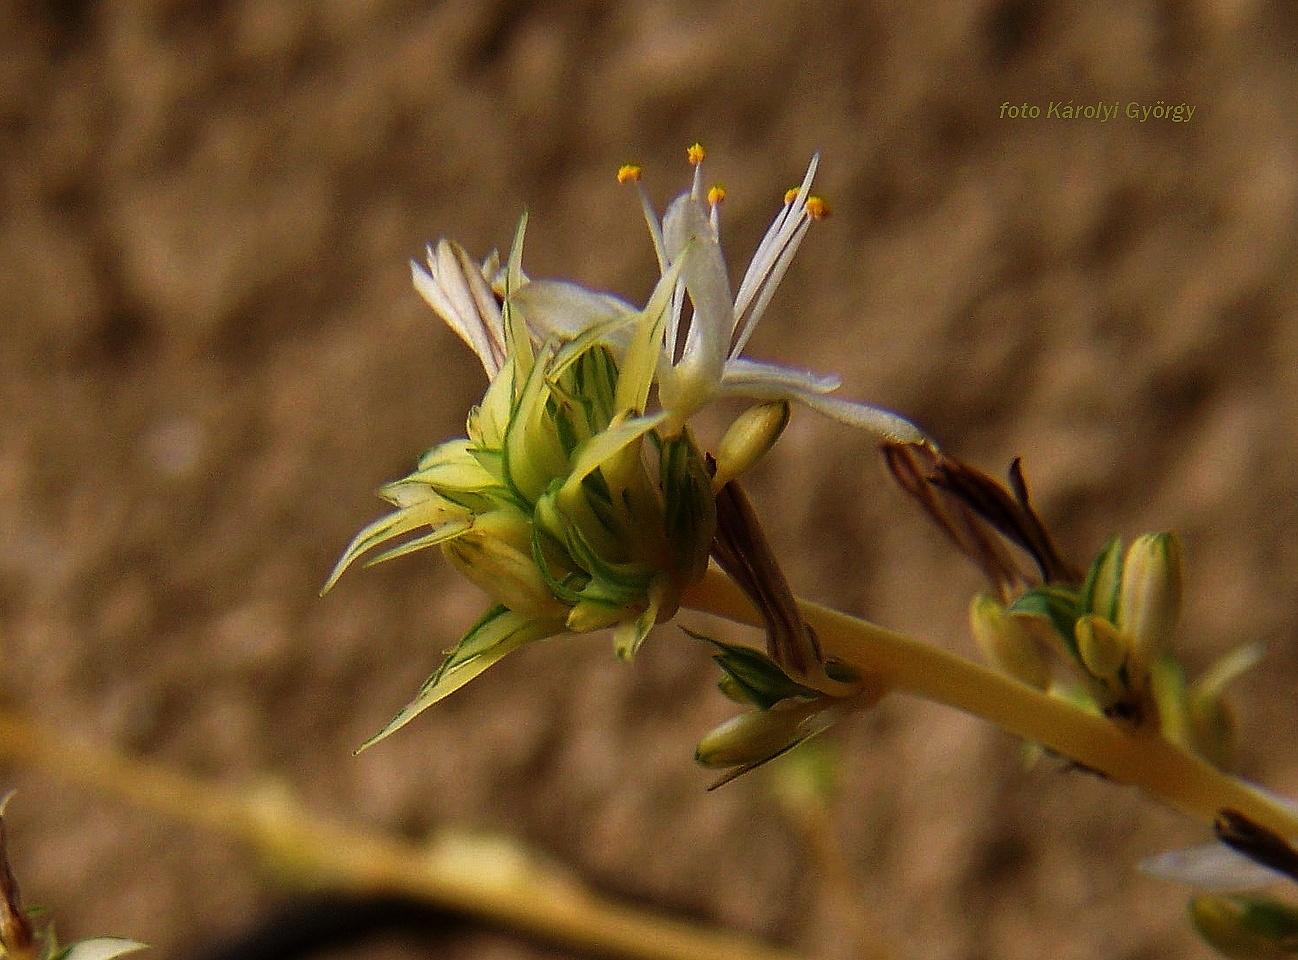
x,y
1140,758
526,894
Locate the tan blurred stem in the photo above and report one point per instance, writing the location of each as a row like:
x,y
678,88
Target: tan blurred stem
x,y
532,897
1140,758
843,899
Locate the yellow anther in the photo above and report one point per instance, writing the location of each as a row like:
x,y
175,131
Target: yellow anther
x,y
817,208
695,154
716,195
628,172
790,195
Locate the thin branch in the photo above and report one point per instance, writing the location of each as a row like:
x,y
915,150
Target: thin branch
x,y
534,897
1143,759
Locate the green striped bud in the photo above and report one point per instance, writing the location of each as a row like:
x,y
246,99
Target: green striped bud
x,y
757,736
748,438
1007,643
1102,647
496,554
1104,582
1150,603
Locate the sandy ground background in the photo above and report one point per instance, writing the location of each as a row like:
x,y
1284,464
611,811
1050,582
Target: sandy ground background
x,y
210,357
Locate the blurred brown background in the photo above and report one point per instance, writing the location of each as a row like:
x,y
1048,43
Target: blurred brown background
x,y
210,357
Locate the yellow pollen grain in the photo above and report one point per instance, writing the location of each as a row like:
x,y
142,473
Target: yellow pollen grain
x,y
818,208
716,195
695,154
628,172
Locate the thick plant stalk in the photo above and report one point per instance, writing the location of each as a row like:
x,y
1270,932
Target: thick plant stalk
x,y
1140,758
525,894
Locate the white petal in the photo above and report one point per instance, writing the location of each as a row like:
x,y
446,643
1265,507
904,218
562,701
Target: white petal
x,y
1211,867
565,310
741,372
689,235
102,948
888,425
483,297
454,287
792,386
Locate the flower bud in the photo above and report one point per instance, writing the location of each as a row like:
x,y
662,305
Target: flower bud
x,y
748,438
589,615
1048,613
1007,643
749,737
754,737
1101,646
1150,604
1104,582
496,554
1246,928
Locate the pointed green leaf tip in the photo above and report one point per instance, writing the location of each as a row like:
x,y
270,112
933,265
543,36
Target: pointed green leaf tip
x,y
1057,605
752,677
496,635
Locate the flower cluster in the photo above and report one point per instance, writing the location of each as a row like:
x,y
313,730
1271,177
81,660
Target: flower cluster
x,y
575,501
1115,623
562,503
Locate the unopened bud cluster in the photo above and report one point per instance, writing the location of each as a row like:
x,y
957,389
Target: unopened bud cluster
x,y
782,713
1117,629
563,503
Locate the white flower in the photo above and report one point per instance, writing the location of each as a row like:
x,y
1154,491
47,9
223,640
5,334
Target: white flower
x,y
700,349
